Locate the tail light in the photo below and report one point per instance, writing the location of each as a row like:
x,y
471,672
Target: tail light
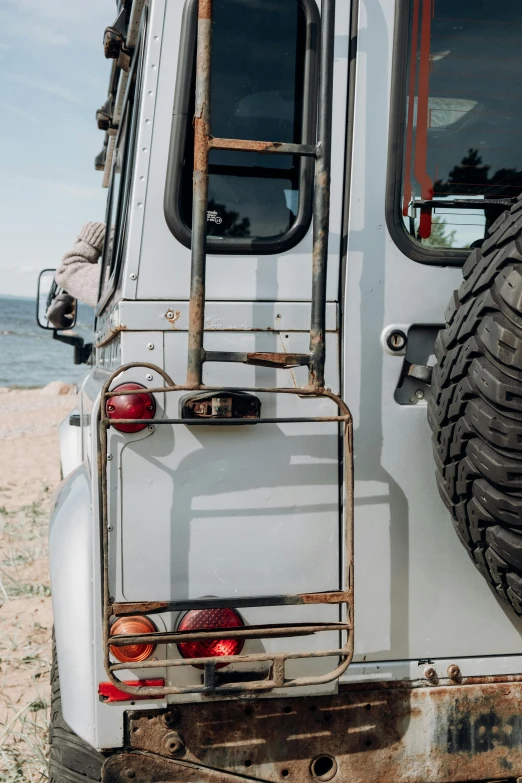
x,y
130,406
132,626
210,619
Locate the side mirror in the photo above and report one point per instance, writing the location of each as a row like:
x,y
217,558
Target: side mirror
x,y
51,303
54,309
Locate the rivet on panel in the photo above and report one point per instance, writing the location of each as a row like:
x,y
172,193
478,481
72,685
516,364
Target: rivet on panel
x,y
453,671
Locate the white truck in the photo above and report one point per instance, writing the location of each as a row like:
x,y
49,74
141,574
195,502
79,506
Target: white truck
x,y
253,574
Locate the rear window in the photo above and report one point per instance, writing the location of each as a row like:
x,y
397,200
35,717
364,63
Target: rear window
x,y
263,88
461,122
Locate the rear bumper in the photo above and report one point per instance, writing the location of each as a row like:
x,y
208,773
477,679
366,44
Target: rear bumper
x,y
467,731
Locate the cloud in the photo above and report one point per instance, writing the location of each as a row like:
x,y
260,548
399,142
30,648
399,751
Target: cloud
x,y
51,186
37,33
56,23
20,112
46,86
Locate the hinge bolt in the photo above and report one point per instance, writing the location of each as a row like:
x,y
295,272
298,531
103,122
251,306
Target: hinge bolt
x,y
172,717
430,673
172,743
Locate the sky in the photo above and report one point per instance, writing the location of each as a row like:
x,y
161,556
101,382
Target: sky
x,y
53,77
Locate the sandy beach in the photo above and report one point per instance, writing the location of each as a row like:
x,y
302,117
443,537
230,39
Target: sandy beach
x,y
29,474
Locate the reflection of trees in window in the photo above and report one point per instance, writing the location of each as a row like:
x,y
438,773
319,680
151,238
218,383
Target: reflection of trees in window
x,y
439,238
230,225
470,177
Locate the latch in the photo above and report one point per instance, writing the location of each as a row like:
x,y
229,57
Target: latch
x,y
220,405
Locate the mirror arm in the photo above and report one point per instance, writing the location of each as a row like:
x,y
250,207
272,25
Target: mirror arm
x,y
82,350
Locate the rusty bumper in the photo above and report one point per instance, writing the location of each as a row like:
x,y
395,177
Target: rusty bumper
x,y
435,734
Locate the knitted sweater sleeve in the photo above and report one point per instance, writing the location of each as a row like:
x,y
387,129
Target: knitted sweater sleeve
x,y
79,271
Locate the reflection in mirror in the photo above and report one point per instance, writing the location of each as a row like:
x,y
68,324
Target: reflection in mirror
x,y
54,308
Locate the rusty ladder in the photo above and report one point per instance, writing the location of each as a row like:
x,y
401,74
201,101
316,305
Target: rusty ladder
x,y
197,356
204,142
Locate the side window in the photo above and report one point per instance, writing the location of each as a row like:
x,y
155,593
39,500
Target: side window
x,y
264,68
460,161
121,184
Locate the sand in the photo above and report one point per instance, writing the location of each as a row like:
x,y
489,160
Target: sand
x,y
29,473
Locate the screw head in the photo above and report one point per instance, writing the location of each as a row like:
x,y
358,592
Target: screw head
x,y
453,671
148,377
396,340
419,394
151,427
133,276
109,457
430,673
150,346
169,314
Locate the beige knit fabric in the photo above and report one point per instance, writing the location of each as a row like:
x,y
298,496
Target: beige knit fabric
x,y
79,271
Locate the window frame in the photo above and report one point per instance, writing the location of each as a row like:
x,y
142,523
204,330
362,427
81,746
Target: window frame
x,y
454,257
180,124
129,127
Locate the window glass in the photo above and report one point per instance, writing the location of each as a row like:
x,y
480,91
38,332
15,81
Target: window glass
x,y
463,130
258,66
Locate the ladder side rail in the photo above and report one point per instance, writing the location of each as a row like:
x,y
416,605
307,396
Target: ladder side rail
x,y
200,196
321,212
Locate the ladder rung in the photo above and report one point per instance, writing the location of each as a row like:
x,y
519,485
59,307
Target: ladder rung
x,y
260,359
271,147
249,632
158,607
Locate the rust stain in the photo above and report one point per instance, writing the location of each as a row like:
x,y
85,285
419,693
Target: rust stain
x,y
113,332
451,733
244,145
173,316
205,9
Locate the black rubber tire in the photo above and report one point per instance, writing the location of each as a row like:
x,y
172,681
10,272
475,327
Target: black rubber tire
x,y
71,759
476,410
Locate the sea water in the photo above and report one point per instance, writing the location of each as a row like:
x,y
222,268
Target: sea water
x,y
29,357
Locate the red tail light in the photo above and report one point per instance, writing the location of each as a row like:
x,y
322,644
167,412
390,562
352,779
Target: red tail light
x,y
133,626
130,406
210,619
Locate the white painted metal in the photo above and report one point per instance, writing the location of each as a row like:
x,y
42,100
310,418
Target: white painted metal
x,y
70,445
417,593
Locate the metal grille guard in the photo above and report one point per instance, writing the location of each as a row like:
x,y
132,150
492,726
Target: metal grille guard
x,y
197,355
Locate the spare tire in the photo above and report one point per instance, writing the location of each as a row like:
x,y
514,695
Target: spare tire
x,y
475,412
